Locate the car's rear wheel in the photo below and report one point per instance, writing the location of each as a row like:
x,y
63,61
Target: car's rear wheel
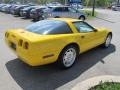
x,y
82,18
107,41
41,18
68,57
57,16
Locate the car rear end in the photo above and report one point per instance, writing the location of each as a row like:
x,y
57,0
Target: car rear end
x,y
48,12
3,8
23,13
35,45
13,8
17,9
21,43
36,13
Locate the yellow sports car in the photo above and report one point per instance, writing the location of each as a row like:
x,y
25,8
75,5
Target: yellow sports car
x,y
56,40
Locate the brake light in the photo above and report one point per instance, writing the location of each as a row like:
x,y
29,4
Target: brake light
x,y
26,45
6,34
20,42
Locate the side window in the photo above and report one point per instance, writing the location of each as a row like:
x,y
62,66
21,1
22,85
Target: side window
x,y
62,29
58,9
83,27
65,9
72,10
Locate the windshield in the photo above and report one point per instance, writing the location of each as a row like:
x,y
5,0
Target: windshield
x,y
49,27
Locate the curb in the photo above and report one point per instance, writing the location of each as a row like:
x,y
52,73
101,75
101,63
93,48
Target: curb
x,y
87,84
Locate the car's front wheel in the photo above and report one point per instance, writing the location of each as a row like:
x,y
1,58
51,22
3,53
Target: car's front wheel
x,y
108,40
68,57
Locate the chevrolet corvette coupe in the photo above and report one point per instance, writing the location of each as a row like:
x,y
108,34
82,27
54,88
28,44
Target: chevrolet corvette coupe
x,y
58,40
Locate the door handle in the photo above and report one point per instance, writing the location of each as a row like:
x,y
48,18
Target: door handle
x,y
82,36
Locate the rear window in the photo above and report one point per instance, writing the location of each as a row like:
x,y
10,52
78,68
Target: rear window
x,y
46,27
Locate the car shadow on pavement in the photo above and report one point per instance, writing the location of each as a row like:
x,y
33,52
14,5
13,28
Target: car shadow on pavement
x,y
16,16
25,18
49,77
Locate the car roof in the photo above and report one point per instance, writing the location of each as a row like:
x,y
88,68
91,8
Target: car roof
x,y
37,7
65,19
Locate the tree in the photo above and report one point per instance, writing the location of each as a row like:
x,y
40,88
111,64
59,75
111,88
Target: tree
x,y
98,3
118,1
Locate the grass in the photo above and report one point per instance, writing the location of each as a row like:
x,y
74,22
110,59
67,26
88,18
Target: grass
x,y
106,86
88,13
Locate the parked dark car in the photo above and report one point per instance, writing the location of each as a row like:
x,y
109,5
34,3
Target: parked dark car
x,y
2,9
13,8
37,13
26,11
18,8
1,6
7,8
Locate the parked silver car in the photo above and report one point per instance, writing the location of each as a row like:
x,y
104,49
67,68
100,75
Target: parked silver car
x,y
116,8
64,11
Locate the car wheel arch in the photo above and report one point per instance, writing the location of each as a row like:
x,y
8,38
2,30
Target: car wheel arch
x,y
71,44
110,33
59,61
81,16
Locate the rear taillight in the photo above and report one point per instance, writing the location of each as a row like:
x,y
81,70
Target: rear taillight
x,y
7,34
20,42
26,45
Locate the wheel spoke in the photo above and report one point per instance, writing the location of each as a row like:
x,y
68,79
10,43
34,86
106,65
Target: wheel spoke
x,y
108,40
69,57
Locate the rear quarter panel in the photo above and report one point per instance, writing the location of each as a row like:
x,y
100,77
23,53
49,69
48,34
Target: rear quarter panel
x,y
52,46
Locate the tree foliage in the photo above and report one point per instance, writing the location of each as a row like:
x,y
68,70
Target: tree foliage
x,y
99,3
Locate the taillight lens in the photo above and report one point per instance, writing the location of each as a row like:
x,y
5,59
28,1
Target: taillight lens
x,y
20,42
6,34
26,45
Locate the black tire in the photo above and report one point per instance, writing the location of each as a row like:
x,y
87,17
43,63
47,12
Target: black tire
x,y
107,44
34,19
60,61
41,18
82,18
57,17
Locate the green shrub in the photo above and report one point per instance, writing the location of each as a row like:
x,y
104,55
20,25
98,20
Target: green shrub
x,y
106,86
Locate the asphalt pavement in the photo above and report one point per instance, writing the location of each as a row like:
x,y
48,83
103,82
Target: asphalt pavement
x,y
15,75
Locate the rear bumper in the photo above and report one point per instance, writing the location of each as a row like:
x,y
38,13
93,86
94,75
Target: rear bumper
x,y
29,57
34,16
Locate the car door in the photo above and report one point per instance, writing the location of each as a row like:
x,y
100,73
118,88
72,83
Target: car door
x,y
73,13
88,36
65,12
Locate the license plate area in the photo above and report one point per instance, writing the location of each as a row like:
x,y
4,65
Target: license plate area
x,y
13,46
